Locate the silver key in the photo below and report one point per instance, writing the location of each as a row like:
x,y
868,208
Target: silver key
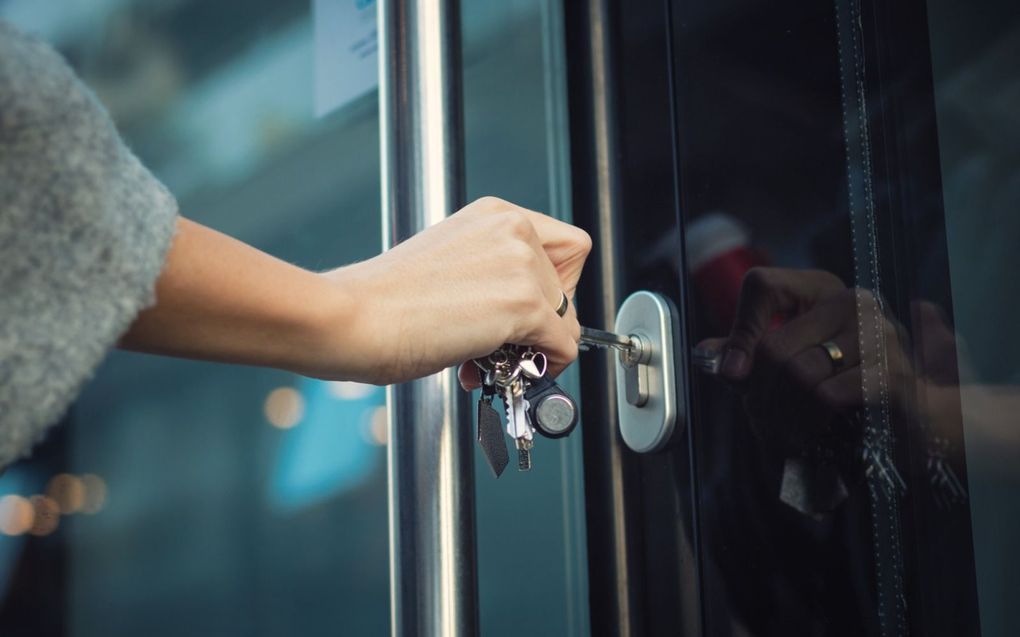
x,y
591,337
518,424
708,361
511,368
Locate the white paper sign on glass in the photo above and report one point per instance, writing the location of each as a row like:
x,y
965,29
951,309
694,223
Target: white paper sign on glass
x,y
346,52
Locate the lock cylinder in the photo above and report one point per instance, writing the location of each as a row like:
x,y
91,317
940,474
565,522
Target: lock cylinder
x,y
647,373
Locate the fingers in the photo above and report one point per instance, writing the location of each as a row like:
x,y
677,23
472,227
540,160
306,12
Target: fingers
x,y
765,294
814,365
547,275
550,333
555,336
793,349
545,259
468,376
843,391
566,246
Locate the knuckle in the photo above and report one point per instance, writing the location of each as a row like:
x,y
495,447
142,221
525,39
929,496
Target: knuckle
x,y
527,300
575,331
584,242
570,349
489,203
866,299
757,279
523,257
518,224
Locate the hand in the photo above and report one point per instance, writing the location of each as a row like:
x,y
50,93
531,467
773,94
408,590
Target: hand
x,y
791,386
490,274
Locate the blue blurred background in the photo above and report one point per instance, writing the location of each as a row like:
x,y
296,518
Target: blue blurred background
x,y
190,498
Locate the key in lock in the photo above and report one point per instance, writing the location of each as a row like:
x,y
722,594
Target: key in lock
x,y
647,375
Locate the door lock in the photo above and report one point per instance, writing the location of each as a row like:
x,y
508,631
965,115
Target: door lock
x,y
635,364
647,374
646,369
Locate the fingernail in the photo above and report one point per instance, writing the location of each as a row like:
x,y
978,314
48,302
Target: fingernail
x,y
734,363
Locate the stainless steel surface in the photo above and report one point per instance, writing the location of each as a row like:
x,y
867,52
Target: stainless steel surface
x,y
433,575
635,380
600,338
638,353
556,413
634,360
616,550
648,426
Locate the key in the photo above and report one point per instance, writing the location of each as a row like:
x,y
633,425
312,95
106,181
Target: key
x,y
708,361
635,353
490,426
591,337
518,426
511,370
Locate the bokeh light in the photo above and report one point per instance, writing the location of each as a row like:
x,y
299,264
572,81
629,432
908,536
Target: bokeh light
x,y
67,491
95,493
16,515
284,407
378,433
47,515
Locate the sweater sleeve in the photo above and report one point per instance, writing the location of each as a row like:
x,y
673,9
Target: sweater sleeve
x,y
84,231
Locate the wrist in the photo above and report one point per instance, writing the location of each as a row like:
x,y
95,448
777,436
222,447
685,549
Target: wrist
x,y
344,334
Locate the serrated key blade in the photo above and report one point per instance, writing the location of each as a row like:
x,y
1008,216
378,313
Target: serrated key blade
x,y
490,438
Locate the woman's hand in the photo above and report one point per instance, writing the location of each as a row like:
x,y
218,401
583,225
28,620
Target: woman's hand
x,y
490,274
774,355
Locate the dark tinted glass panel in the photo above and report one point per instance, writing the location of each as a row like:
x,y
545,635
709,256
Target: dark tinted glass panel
x,y
854,471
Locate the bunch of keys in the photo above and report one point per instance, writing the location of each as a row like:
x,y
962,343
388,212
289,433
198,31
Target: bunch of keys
x,y
532,401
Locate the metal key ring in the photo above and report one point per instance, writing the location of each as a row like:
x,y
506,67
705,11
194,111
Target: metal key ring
x,y
564,304
545,362
835,354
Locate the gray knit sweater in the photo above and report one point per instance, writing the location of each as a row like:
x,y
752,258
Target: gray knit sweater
x,y
84,229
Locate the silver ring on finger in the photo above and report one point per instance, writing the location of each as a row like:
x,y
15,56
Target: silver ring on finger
x,y
564,304
834,353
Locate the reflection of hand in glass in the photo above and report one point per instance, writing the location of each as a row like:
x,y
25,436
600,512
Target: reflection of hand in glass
x,y
795,350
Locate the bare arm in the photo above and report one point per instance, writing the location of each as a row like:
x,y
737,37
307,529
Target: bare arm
x,y
220,299
492,273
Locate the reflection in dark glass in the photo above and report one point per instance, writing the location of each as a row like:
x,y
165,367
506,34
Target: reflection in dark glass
x,y
836,494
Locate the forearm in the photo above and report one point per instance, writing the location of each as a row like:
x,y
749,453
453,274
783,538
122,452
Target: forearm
x,y
435,300
222,300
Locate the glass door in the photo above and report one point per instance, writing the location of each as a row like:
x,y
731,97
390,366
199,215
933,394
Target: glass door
x,y
833,185
196,498
191,498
